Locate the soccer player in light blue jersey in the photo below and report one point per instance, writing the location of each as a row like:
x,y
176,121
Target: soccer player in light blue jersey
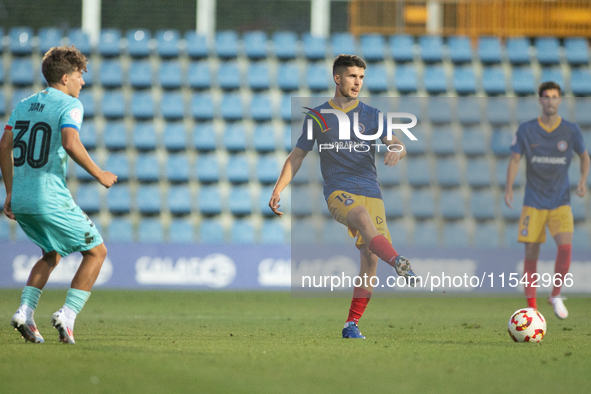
x,y
42,132
351,188
548,143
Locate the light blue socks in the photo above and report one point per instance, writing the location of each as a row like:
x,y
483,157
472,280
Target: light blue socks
x,y
76,299
30,297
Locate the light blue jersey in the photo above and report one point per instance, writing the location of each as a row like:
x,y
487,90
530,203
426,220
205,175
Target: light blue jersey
x,y
40,161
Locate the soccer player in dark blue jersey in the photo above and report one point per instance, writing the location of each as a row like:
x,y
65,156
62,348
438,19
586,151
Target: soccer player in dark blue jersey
x,y
548,143
351,188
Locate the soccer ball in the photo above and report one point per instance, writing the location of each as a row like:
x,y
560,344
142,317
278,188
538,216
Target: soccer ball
x,y
527,325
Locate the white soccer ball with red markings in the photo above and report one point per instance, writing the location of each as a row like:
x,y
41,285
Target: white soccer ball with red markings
x,y
527,325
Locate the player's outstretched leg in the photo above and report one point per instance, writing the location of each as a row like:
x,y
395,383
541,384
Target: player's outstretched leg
x,y
23,320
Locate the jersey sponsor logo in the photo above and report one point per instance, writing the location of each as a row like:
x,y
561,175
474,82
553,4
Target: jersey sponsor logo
x,y
379,220
548,160
76,115
562,145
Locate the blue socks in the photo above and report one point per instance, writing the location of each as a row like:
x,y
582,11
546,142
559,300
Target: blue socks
x,y
76,299
30,297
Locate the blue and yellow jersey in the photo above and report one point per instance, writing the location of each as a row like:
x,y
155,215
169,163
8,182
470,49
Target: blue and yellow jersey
x,y
346,165
40,161
548,152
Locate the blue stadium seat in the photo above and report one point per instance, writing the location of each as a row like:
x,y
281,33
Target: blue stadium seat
x,y
489,50
170,75
255,44
401,48
109,43
140,74
2,75
376,81
443,141
179,199
547,50
147,168
49,37
120,230
510,235
287,138
177,168
273,233
304,232
499,110
399,232
144,136
263,201
229,77
119,199
199,75
118,163
576,50
314,47
523,81
142,105
87,99
231,108
486,235
240,200
264,138
18,95
261,109
88,135
455,235
342,43
553,74
195,45
150,230
267,169
22,72
581,237
115,135
435,80
2,103
204,138
482,205
81,40
460,49
493,81
210,200
518,50
405,78
226,44
258,76
582,115
207,168
172,106
181,231
393,202
138,43
372,47
113,104
515,213
426,235
175,136
452,203
81,174
431,48
111,73
202,106
285,43
439,110
242,233
387,176
464,80
333,233
148,200
238,169
527,108
88,198
211,232
317,77
21,41
580,82
288,77
417,147
478,172
501,142
167,43
448,172
235,137
501,174
301,201
422,204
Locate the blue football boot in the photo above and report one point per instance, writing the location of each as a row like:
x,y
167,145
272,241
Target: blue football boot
x,y
352,331
403,268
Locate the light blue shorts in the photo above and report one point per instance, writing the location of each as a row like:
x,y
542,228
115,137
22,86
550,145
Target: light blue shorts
x,y
64,231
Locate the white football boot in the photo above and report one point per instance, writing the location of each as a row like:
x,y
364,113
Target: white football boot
x,y
559,309
63,320
23,322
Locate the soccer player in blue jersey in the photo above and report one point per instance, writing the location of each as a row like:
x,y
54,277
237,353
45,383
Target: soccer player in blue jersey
x,y
38,138
351,188
548,143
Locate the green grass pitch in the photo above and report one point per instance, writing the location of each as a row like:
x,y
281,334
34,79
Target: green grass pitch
x,y
262,342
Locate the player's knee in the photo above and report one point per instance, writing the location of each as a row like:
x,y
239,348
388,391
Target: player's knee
x,y
359,217
100,251
51,258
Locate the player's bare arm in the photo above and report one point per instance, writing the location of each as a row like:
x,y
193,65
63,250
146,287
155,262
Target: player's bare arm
x,y
6,164
73,146
394,154
585,163
511,174
290,168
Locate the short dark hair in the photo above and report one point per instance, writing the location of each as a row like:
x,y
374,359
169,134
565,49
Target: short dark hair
x,y
549,86
342,62
62,60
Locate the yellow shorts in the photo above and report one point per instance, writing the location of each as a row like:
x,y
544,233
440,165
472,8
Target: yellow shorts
x,y
340,203
532,224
